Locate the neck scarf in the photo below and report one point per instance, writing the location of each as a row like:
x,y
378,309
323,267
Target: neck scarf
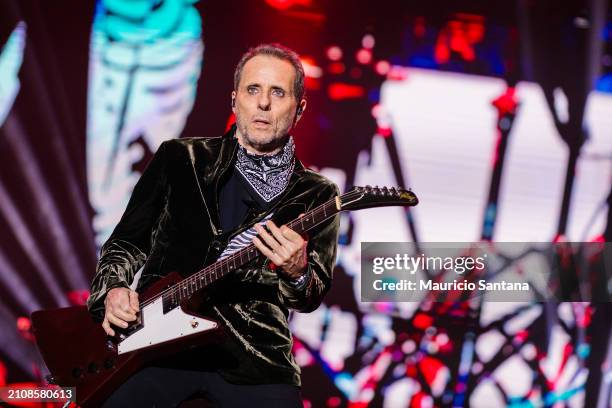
x,y
268,176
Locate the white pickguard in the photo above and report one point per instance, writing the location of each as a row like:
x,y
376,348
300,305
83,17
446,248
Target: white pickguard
x,y
160,328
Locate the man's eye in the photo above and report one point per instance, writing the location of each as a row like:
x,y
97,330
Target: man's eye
x,y
278,92
252,90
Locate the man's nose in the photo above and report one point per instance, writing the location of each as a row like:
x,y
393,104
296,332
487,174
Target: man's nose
x,y
264,101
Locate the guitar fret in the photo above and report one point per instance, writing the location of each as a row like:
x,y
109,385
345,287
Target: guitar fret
x,y
204,277
199,280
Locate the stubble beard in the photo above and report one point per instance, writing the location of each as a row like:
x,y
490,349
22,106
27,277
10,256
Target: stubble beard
x,y
268,145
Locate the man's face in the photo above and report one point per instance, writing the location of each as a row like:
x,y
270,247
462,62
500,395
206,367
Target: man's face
x,y
265,105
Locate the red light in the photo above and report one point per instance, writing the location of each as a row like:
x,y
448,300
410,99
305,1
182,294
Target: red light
x,y
312,83
441,50
364,56
311,69
430,367
78,297
382,67
384,131
460,35
422,321
2,374
368,41
338,91
334,53
419,400
230,121
23,324
333,402
336,68
599,239
559,238
285,4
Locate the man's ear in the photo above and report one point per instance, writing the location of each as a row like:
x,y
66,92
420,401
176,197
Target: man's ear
x,y
234,101
300,110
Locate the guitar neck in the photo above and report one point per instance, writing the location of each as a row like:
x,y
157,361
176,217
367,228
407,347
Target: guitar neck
x,y
173,296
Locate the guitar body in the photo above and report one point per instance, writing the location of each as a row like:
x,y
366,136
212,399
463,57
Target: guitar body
x,y
79,354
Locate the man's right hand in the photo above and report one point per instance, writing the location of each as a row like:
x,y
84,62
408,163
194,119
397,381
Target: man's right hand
x,y
121,306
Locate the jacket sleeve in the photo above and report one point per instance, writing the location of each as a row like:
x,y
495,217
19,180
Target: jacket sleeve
x,y
127,248
322,248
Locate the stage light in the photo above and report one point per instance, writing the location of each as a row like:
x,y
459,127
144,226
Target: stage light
x,y
58,237
28,243
336,68
382,67
368,41
334,53
338,91
11,58
311,70
364,56
14,282
285,4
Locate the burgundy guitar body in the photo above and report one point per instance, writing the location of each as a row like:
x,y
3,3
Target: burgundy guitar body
x,y
80,354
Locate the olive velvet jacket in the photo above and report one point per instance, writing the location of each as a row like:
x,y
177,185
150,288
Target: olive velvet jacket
x,y
172,223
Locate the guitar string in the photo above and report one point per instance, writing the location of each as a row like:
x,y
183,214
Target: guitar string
x,y
247,251
218,265
202,275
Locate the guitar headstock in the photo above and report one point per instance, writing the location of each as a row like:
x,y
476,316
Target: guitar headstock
x,y
359,198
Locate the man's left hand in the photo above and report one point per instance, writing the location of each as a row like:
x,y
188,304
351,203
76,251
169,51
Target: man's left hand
x,y
284,247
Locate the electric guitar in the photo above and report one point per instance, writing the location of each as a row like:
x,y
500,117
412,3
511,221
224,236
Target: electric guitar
x,y
80,354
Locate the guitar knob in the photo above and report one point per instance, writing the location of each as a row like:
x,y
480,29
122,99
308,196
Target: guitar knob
x,y
385,191
394,191
50,379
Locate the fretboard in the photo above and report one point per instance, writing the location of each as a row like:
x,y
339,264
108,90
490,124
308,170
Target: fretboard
x,y
173,296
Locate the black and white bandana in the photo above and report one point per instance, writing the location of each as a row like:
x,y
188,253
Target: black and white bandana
x,y
268,176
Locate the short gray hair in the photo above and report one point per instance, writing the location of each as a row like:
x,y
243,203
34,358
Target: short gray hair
x,y
281,52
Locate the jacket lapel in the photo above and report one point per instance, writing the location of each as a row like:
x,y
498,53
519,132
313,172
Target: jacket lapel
x,y
210,172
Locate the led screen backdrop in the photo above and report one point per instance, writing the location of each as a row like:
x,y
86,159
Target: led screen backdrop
x,y
497,115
